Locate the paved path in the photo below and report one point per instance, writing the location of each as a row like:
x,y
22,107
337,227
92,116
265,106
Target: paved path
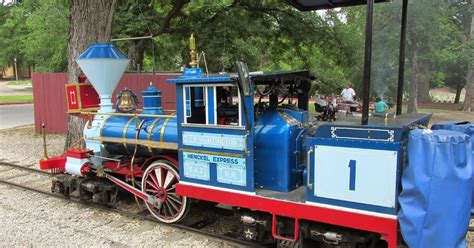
x,y
16,115
15,89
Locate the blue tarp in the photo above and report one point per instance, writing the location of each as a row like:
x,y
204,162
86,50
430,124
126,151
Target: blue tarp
x,y
435,201
462,127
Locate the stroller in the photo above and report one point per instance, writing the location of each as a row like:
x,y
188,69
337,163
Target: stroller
x,y
327,111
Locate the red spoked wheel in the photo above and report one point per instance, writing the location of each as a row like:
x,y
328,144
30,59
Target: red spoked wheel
x,y
160,179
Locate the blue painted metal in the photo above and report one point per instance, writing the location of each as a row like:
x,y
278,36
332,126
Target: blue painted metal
x,y
210,79
380,134
392,130
210,173
102,51
276,148
360,144
188,101
196,76
152,101
301,116
352,166
214,140
199,96
211,118
124,128
230,170
192,72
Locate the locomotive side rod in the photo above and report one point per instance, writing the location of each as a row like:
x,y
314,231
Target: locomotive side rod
x,y
140,194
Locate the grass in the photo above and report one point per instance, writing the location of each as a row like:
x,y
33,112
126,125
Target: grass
x,y
16,98
20,82
428,110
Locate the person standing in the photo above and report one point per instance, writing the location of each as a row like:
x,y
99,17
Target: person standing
x,y
348,94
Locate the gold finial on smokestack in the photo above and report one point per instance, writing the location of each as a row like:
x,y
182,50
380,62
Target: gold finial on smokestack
x,y
192,47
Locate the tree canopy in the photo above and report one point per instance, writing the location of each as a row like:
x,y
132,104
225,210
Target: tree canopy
x,y
268,35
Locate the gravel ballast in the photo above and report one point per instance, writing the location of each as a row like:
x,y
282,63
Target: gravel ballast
x,y
33,220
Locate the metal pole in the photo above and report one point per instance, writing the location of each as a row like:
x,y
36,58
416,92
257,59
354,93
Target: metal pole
x,y
16,72
401,63
132,38
367,62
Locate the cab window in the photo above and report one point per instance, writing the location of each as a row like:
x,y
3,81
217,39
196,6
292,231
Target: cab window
x,y
227,105
195,105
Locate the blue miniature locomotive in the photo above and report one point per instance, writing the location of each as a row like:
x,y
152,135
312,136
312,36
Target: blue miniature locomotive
x,y
244,140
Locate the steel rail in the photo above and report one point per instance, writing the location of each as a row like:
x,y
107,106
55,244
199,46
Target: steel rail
x,y
24,168
216,237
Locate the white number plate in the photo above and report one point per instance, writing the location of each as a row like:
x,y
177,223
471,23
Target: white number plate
x,y
355,175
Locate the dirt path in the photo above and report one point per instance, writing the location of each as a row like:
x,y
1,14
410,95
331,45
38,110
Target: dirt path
x,y
454,115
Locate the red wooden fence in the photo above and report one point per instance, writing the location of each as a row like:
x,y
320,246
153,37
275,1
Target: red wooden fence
x,y
49,96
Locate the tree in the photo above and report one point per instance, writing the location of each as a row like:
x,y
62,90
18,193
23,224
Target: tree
x,y
140,19
426,37
37,34
12,30
89,22
454,58
270,35
46,43
469,98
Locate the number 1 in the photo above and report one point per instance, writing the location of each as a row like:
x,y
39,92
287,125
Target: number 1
x,y
352,176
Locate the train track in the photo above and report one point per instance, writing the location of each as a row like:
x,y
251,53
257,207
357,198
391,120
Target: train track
x,y
196,227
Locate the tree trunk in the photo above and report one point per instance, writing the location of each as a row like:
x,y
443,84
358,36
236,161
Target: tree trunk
x,y
136,51
424,85
469,98
413,91
89,22
413,95
459,87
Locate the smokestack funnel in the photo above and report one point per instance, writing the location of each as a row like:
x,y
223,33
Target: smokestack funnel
x,y
104,65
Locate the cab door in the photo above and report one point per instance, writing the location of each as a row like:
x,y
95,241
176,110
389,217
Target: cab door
x,y
215,142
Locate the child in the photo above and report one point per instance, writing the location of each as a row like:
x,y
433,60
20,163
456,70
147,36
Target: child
x,y
380,106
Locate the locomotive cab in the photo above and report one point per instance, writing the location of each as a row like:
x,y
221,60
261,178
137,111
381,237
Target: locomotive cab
x,y
241,132
215,137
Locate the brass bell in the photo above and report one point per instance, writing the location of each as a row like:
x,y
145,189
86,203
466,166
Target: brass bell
x,y
126,103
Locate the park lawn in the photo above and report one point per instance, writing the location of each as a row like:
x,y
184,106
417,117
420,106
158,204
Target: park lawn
x,y
20,82
16,98
429,110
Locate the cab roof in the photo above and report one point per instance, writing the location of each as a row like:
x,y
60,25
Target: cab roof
x,y
308,5
260,78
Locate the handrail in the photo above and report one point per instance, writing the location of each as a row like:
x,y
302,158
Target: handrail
x,y
308,168
129,114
